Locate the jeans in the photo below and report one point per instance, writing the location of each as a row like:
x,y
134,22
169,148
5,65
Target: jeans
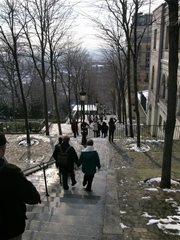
x,y
65,178
88,180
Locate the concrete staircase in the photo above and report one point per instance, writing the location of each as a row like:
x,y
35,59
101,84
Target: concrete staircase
x,y
69,215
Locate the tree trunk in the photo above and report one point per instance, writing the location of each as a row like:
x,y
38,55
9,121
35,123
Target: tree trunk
x,y
129,92
135,56
172,93
23,98
54,89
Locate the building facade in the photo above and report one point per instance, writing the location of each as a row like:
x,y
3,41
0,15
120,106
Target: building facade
x,y
158,79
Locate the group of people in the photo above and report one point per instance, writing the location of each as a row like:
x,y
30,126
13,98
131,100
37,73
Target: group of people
x,y
89,159
16,191
99,127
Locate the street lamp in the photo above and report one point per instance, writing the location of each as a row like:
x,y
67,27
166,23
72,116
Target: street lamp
x,y
96,104
83,124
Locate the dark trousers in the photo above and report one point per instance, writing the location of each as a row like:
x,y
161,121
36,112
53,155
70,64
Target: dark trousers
x,y
65,176
95,133
111,135
88,179
75,134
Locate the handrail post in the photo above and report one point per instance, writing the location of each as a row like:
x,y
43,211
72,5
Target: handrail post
x,y
44,172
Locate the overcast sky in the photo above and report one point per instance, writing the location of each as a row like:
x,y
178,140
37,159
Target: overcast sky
x,y
85,29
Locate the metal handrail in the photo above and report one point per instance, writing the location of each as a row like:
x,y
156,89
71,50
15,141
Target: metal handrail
x,y
42,166
30,170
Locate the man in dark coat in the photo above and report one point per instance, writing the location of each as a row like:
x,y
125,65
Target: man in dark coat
x,y
15,192
112,128
74,127
57,148
71,159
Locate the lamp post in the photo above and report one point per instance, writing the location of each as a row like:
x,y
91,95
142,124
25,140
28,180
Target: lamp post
x,y
83,125
96,104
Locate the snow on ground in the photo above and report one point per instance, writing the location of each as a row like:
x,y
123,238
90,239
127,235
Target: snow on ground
x,y
158,180
169,224
142,148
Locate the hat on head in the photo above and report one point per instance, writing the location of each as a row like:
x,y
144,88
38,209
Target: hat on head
x,y
3,140
66,138
90,142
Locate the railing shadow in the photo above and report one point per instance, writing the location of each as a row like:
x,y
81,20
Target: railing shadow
x,y
123,154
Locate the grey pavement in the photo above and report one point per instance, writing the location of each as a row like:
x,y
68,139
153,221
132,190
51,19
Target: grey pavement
x,y
74,213
118,208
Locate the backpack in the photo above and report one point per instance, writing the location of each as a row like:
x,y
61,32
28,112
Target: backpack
x,y
62,157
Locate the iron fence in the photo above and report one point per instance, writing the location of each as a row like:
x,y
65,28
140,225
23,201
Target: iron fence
x,y
146,131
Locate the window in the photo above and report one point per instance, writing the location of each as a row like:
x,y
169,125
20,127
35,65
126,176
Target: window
x,y
163,89
167,38
160,120
152,78
147,58
155,39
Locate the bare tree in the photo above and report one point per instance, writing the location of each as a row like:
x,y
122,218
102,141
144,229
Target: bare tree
x,y
8,72
73,69
172,93
11,36
35,29
122,11
58,26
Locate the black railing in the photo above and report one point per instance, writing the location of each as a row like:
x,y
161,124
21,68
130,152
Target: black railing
x,y
146,131
18,126
38,167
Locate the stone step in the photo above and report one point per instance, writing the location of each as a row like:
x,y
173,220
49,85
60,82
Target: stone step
x,y
69,215
36,235
71,226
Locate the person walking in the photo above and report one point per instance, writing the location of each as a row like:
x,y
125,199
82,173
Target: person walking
x,y
89,159
112,128
16,191
74,127
55,154
104,129
65,158
95,128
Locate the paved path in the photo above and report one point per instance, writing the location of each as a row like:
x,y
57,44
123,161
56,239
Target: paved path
x,y
74,214
121,206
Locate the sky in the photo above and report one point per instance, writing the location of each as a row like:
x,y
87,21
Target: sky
x,y
85,30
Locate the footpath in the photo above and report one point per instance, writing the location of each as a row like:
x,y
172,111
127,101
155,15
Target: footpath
x,y
121,206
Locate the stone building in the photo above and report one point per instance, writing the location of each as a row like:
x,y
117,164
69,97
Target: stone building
x,y
157,103
144,37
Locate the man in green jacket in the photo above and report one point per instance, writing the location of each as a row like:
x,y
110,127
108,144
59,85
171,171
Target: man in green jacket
x,y
89,159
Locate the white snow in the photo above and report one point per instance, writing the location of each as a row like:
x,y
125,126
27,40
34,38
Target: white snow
x,y
151,189
142,148
122,212
123,226
158,179
147,197
145,214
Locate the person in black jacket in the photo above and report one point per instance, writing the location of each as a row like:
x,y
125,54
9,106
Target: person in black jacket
x,y
15,192
112,128
72,158
57,148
